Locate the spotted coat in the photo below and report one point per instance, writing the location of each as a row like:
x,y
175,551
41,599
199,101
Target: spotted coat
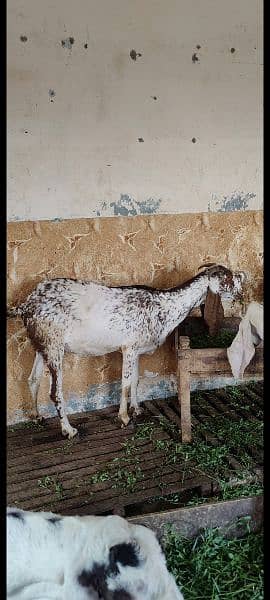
x,y
88,318
84,558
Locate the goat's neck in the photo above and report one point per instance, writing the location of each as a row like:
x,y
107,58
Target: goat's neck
x,y
181,301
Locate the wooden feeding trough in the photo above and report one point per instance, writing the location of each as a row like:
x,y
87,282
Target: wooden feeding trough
x,y
204,363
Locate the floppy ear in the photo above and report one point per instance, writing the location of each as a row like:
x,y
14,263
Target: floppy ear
x,y
206,266
213,312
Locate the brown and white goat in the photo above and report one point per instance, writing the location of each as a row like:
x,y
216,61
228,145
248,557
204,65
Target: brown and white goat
x,y
89,318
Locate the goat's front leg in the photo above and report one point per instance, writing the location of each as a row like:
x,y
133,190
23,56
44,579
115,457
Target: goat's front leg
x,y
56,395
134,385
128,367
34,383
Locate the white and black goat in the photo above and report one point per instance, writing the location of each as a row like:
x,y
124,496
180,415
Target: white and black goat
x,y
84,558
89,318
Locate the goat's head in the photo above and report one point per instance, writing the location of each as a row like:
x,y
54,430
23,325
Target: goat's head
x,y
223,281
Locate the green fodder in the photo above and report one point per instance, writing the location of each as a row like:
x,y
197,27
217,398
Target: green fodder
x,y
222,339
213,567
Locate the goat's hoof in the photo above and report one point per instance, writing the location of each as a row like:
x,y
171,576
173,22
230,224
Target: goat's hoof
x,y
69,433
37,418
40,419
125,419
137,410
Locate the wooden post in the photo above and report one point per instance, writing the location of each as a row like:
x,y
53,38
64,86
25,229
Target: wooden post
x,y
184,387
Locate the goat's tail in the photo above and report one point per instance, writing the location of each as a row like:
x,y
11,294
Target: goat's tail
x,y
13,311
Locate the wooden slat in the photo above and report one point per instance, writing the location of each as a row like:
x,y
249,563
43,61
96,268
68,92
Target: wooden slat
x,y
33,455
213,361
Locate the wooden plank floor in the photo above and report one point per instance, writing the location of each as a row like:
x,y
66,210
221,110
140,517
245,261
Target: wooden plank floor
x,y
107,469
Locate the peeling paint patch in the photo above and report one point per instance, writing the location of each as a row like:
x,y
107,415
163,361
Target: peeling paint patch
x,y
68,43
237,201
129,207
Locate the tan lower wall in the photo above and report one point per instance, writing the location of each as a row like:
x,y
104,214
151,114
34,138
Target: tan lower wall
x,y
158,250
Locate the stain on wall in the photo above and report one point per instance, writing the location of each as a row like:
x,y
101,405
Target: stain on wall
x,y
67,43
134,55
51,95
195,58
155,250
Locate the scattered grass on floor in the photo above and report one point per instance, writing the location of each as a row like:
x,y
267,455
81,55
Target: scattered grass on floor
x,y
144,431
34,425
213,567
236,396
200,458
65,448
52,484
227,492
207,458
119,471
121,478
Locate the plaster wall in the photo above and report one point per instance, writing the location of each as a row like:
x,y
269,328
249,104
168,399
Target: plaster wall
x,y
131,107
155,250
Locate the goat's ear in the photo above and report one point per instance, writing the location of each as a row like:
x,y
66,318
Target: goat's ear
x,y
243,276
206,266
213,312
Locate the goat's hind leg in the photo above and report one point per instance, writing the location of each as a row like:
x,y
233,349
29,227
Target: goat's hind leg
x,y
34,383
127,370
130,374
56,394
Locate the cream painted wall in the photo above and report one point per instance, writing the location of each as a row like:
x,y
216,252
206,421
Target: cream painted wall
x,y
76,113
